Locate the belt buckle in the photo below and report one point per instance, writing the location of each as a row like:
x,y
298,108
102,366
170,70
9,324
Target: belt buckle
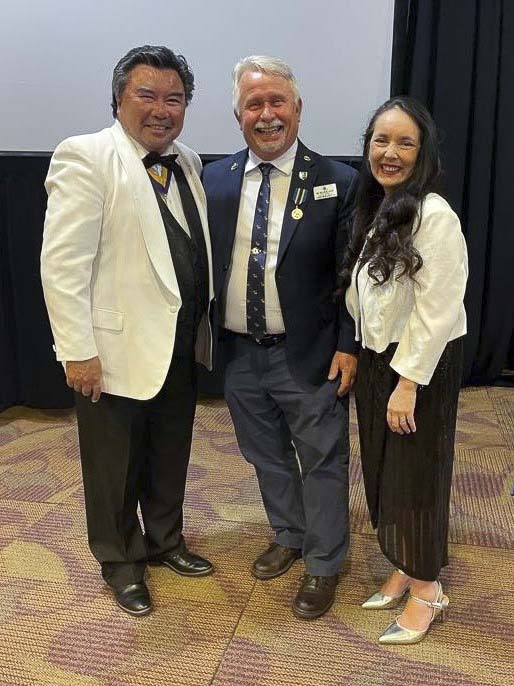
x,y
262,341
269,340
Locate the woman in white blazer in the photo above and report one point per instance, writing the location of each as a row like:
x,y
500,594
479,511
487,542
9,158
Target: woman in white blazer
x,y
407,269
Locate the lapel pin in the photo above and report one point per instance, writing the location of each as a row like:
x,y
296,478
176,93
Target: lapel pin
x,y
234,166
303,175
307,158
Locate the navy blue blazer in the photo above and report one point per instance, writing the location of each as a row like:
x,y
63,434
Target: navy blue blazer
x,y
306,268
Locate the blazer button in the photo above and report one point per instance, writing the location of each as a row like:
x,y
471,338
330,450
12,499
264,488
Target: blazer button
x,y
225,267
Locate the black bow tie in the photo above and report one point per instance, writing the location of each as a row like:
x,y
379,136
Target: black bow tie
x,y
154,158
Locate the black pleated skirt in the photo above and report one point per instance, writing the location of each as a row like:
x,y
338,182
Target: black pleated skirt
x,y
407,477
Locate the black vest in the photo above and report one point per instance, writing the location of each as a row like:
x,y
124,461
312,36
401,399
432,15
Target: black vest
x,y
189,257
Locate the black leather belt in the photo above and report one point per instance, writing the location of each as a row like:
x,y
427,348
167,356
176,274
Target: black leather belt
x,y
267,341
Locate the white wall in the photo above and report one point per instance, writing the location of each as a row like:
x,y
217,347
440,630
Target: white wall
x,y
57,58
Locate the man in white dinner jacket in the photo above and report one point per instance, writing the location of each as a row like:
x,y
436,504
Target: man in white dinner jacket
x,y
127,277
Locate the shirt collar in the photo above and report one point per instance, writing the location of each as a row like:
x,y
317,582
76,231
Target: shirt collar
x,y
284,163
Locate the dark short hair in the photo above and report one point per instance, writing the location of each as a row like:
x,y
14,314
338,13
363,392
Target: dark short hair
x,y
156,56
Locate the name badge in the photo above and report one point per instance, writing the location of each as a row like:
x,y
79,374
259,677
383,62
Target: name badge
x,y
329,190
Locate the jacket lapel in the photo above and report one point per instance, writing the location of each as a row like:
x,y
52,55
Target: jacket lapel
x,y
198,192
148,213
304,166
232,182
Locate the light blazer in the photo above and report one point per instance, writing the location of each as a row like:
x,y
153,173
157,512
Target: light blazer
x,y
107,272
306,267
421,314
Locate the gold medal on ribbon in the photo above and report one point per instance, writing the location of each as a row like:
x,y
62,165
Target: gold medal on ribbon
x,y
299,197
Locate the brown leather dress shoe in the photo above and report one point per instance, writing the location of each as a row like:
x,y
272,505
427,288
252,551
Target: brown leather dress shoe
x,y
315,597
134,599
276,560
185,563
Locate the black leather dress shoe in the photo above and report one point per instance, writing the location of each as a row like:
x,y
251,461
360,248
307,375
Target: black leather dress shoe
x,y
134,599
185,563
315,597
276,560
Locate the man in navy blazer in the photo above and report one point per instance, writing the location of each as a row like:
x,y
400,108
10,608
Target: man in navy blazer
x,y
278,215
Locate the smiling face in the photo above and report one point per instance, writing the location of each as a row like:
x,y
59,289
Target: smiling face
x,y
394,148
268,114
152,106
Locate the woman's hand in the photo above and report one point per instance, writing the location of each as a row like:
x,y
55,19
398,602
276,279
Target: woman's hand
x,y
400,408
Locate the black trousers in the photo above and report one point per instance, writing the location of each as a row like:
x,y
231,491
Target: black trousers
x,y
136,452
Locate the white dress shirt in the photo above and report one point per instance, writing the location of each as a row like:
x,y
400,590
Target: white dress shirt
x,y
172,198
422,314
234,300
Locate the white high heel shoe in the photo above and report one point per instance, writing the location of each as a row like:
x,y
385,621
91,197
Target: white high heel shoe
x,y
396,634
381,601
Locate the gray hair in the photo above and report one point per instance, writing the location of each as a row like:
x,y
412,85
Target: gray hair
x,y
266,65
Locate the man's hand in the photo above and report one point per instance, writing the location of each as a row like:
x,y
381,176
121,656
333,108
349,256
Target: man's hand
x,y
346,365
400,408
85,377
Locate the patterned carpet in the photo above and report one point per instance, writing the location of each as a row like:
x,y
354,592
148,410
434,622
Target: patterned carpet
x,y
59,626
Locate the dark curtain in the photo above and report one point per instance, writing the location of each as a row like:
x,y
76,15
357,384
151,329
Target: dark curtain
x,y
29,373
457,57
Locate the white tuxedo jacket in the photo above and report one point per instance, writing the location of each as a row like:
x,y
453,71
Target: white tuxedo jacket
x,y
107,272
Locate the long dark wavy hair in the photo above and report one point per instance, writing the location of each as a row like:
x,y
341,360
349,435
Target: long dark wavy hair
x,y
392,217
